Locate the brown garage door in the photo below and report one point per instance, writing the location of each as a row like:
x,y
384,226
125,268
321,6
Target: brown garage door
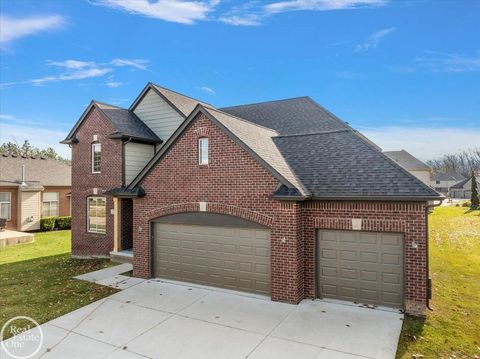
x,y
363,267
212,249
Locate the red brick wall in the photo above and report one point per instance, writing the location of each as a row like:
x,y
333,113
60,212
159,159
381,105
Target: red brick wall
x,y
234,183
12,223
63,199
83,183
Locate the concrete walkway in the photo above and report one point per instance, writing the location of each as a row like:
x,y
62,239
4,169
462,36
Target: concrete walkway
x,y
160,319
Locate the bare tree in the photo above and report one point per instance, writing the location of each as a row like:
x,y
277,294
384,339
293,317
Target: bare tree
x,y
463,162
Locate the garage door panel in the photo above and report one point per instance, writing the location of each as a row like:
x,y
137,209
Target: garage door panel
x,y
234,258
364,267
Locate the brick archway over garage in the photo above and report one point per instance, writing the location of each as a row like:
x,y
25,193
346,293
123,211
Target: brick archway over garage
x,y
211,207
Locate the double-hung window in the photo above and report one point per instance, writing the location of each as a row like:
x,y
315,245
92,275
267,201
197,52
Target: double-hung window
x,y
203,151
96,215
96,157
5,205
50,204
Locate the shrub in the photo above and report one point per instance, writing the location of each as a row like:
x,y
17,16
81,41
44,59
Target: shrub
x,y
466,204
63,222
47,223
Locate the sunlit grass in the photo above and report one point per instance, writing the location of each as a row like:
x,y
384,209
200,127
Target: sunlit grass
x,y
452,330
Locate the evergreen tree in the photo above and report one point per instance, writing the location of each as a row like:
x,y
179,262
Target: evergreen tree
x,y
474,199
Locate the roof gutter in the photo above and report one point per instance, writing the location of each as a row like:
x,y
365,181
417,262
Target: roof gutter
x,y
292,198
117,135
361,198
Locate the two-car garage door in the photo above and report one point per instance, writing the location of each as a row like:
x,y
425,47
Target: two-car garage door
x,y
213,249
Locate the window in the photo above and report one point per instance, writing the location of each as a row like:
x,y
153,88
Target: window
x,y
96,157
50,204
203,151
5,205
437,182
96,215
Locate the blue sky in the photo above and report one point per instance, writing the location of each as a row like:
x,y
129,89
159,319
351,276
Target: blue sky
x,y
405,73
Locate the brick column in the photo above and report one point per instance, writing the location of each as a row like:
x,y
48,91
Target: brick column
x,y
287,254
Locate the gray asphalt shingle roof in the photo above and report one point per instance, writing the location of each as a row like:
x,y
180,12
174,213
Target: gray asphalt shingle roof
x,y
291,116
406,160
38,171
183,103
126,123
341,164
450,176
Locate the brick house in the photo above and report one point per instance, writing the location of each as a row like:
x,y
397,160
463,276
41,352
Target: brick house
x,y
278,198
32,188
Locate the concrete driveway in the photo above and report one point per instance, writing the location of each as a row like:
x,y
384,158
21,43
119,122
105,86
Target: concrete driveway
x,y
157,319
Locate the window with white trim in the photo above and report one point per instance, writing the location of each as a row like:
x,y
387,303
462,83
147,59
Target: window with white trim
x,y
203,151
96,215
96,157
5,205
50,204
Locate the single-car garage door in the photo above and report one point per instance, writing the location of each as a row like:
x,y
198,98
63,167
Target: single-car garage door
x,y
213,249
363,267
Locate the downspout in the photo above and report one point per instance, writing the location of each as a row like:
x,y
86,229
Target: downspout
x,y
428,281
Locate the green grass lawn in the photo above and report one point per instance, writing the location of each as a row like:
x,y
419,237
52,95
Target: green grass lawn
x,y
36,279
452,330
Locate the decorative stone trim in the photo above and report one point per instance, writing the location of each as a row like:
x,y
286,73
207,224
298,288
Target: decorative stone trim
x,y
202,131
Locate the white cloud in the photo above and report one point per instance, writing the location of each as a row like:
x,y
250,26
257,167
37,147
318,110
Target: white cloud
x,y
180,11
440,62
320,5
424,143
113,84
374,39
80,74
242,20
39,137
208,90
81,70
140,64
72,64
15,28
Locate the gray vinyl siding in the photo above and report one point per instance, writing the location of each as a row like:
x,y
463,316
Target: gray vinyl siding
x,y
158,115
137,156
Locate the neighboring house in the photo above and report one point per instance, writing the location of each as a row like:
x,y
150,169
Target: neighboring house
x,y
277,198
411,164
442,182
32,188
463,189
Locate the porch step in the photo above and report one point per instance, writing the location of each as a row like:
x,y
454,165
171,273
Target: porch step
x,y
125,256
